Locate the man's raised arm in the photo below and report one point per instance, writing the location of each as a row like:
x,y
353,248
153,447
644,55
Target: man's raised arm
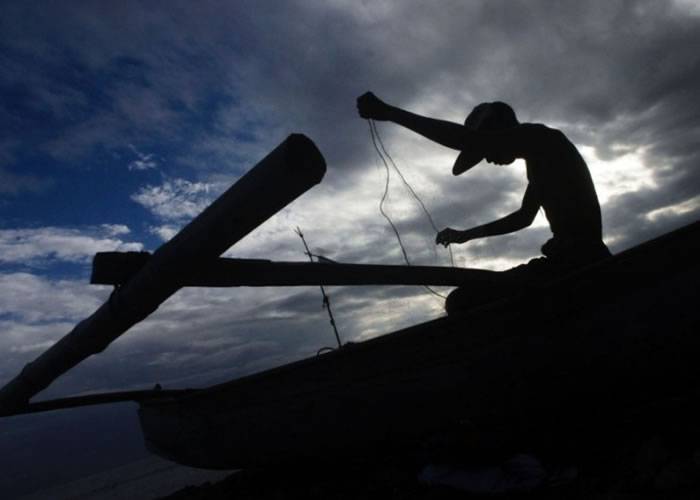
x,y
513,142
449,134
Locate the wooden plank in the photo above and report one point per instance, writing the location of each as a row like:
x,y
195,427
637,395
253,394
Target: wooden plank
x,y
287,172
116,268
98,399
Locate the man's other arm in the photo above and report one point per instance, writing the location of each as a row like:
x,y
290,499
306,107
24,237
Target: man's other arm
x,y
515,221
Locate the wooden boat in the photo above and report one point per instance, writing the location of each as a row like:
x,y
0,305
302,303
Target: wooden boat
x,y
613,340
608,342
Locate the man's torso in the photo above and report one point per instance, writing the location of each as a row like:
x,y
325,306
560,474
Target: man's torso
x,y
564,188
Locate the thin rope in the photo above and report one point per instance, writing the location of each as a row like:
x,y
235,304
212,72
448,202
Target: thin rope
x,y
374,134
386,193
409,187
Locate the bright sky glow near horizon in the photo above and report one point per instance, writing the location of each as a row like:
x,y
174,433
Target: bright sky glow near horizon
x,y
121,120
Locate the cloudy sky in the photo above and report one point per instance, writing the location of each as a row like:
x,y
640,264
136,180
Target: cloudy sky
x,y
121,120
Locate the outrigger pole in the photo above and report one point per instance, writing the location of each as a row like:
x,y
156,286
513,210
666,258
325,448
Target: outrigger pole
x,y
116,268
288,171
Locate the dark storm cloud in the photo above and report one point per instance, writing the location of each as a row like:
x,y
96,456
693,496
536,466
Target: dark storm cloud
x,y
620,76
617,75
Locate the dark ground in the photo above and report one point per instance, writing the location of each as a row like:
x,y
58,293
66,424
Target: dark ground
x,y
656,465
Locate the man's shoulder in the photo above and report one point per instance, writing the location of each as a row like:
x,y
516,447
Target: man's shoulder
x,y
541,133
540,128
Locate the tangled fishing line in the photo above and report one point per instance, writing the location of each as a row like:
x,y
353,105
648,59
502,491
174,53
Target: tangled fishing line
x,y
384,155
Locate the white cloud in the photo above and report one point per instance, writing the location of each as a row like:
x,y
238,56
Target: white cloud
x,y
176,199
22,341
36,311
40,245
675,210
623,173
38,347
34,299
115,229
143,161
685,7
165,232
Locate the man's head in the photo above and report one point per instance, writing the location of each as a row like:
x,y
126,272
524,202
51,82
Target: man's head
x,y
487,117
491,117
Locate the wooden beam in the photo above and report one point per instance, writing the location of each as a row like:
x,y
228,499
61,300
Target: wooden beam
x,y
116,268
98,399
287,172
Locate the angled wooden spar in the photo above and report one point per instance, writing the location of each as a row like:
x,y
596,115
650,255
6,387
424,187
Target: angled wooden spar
x,y
116,268
287,172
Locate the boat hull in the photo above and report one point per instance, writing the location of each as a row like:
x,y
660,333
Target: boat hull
x,y
566,359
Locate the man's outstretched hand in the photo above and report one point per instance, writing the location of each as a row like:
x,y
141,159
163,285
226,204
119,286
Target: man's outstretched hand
x,y
370,107
449,235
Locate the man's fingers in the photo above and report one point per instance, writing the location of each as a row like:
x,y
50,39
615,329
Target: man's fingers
x,y
443,237
363,104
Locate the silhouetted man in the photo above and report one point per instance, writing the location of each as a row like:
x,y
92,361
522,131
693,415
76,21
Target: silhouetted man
x,y
559,180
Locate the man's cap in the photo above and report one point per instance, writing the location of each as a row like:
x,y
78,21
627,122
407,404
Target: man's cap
x,y
484,117
466,160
